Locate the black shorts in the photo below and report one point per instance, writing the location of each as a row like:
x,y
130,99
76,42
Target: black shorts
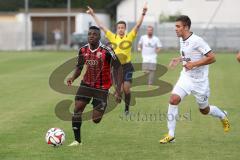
x,y
99,96
128,71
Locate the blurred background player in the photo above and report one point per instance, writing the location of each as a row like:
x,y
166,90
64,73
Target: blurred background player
x,y
238,56
122,45
196,55
96,82
149,45
58,38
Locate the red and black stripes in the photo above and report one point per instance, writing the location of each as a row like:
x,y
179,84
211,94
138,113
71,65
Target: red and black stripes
x,y
98,69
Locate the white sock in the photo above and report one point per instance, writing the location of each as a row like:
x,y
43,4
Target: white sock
x,y
171,118
216,112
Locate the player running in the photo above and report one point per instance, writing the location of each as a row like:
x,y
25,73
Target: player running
x,y
99,60
122,45
196,55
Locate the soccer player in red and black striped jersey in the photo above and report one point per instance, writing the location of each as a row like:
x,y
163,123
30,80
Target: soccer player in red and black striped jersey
x,y
102,68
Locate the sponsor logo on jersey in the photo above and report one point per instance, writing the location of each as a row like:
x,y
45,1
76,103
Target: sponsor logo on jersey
x,y
184,58
92,62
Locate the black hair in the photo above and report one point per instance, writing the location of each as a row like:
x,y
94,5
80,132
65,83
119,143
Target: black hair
x,y
122,22
185,20
94,28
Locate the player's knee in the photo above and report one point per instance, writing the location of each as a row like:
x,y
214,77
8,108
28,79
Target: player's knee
x,y
97,120
97,116
205,111
127,87
126,90
77,110
79,106
174,100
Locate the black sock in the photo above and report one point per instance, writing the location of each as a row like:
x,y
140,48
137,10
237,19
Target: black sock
x,y
127,101
76,126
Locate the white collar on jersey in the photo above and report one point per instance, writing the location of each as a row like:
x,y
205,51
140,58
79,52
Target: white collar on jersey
x,y
187,37
100,44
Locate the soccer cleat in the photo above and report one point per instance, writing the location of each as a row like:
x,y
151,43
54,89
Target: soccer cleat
x,y
225,122
167,139
74,143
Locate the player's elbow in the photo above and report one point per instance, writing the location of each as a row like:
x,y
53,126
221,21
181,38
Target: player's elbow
x,y
97,120
136,28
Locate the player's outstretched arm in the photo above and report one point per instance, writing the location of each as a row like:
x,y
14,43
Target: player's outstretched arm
x,y
139,22
99,23
117,72
75,75
78,69
174,62
208,59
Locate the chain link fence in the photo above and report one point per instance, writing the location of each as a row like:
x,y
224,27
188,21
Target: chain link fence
x,y
220,37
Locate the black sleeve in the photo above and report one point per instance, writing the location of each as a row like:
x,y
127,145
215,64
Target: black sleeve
x,y
80,60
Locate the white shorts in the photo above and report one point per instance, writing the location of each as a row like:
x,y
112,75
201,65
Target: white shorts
x,y
150,59
200,90
149,64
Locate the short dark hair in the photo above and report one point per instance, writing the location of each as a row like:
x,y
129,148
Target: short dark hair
x,y
185,20
122,22
94,27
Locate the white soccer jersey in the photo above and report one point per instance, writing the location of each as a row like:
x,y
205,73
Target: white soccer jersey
x,y
193,49
149,46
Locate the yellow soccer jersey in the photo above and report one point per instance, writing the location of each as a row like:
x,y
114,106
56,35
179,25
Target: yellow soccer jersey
x,y
122,46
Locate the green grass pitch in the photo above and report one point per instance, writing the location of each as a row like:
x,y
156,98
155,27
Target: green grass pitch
x,y
27,106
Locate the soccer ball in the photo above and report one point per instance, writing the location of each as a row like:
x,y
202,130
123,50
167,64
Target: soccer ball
x,y
55,137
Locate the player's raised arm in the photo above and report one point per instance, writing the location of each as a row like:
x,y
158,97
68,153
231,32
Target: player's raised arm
x,y
139,22
78,69
99,23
